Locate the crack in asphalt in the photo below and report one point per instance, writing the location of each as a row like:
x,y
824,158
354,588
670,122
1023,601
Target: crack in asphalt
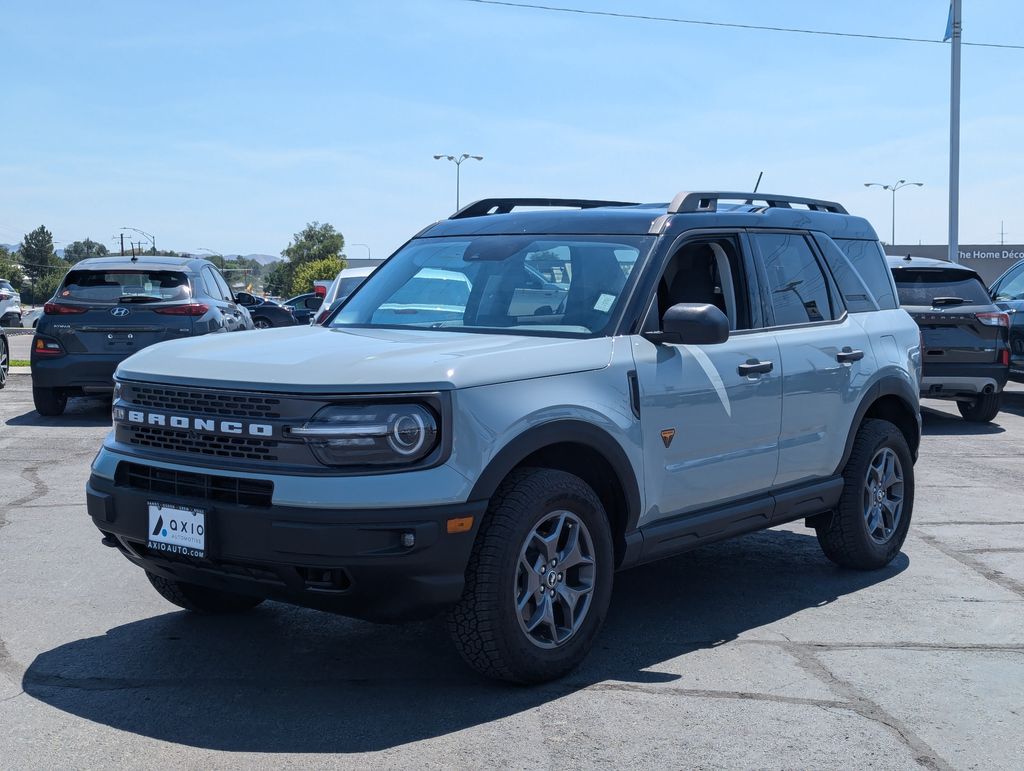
x,y
854,700
965,559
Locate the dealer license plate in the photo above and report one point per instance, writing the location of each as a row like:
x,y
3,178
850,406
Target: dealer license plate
x,y
177,530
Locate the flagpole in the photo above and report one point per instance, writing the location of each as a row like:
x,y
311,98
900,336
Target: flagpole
x,y
954,133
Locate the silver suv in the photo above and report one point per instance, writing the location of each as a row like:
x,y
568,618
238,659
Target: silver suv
x,y
516,405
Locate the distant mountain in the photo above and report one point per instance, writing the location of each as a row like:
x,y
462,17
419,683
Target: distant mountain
x,y
263,259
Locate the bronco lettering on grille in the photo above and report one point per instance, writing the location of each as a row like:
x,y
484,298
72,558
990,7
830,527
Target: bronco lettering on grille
x,y
146,418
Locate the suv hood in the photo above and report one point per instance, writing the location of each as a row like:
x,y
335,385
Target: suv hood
x,y
315,359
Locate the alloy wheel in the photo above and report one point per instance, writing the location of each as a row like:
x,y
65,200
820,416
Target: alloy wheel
x,y
883,495
555,579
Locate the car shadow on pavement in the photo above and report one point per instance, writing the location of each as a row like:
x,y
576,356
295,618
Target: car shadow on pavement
x,y
81,411
284,679
938,423
1013,401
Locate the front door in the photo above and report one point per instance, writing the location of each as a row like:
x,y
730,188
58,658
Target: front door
x,y
710,414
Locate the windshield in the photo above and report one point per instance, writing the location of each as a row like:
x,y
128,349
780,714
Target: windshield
x,y
924,286
100,286
541,285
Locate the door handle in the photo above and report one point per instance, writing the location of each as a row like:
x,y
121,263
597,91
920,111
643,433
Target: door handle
x,y
755,367
848,355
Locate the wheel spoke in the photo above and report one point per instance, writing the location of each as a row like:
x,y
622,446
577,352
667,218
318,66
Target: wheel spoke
x,y
540,614
572,555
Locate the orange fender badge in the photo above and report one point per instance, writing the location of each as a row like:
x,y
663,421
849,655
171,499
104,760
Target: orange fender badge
x,y
667,435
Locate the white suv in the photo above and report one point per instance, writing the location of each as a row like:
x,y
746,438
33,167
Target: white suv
x,y
10,305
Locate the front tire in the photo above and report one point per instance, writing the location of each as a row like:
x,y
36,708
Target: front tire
x,y
200,599
49,402
871,521
982,409
261,323
539,579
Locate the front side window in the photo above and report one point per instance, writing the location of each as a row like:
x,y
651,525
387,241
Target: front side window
x,y
796,283
545,285
116,286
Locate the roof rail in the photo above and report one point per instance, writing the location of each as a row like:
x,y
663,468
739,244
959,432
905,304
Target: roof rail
x,y
697,202
505,205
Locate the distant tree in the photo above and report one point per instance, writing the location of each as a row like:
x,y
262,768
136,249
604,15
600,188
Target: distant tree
x,y
37,253
10,268
277,279
81,250
316,241
315,270
43,288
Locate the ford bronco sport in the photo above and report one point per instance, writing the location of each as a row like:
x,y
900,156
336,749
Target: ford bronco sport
x,y
516,405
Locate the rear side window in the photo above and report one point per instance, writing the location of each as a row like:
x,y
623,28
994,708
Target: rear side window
x,y
101,286
868,260
1012,287
6,285
798,287
923,286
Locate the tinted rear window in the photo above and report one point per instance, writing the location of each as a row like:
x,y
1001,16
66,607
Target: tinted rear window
x,y
99,286
868,260
6,285
922,286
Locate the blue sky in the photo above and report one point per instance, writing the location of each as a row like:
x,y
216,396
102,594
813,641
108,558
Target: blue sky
x,y
228,125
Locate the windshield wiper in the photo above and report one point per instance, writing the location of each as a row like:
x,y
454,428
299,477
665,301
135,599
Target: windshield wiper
x,y
140,299
937,301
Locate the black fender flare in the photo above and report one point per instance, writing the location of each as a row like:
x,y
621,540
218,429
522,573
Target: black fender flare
x,y
558,432
886,386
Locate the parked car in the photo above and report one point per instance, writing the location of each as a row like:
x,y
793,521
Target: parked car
x,y
265,313
966,354
5,358
697,371
30,317
1008,294
107,308
305,306
344,284
10,305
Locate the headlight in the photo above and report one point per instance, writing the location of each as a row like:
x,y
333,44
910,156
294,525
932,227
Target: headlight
x,y
370,435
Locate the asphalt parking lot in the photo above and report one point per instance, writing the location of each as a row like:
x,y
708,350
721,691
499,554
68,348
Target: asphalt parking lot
x,y
755,653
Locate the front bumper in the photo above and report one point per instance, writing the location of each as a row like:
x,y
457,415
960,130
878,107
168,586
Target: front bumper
x,y
82,371
948,381
349,561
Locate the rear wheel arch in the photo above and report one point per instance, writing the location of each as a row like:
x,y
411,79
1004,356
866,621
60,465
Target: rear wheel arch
x,y
581,449
895,401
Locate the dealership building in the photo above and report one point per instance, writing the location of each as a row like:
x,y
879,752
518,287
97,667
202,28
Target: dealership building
x,y
989,260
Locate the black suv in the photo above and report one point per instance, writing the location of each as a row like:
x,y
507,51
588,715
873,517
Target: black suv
x,y
1008,294
108,308
965,337
266,314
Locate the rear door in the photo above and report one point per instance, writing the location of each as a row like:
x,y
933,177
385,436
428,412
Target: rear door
x,y
946,303
826,355
220,295
119,310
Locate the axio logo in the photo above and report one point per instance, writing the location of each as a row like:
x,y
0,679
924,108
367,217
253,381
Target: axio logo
x,y
120,311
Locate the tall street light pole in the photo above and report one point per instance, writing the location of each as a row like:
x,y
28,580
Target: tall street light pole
x,y
458,160
366,247
893,188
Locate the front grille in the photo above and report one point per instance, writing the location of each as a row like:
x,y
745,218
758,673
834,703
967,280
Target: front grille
x,y
228,405
239,447
184,484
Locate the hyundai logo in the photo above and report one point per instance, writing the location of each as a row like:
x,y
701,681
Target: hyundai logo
x,y
120,311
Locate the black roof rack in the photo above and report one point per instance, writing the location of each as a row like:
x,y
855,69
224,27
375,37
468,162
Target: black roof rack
x,y
699,202
505,205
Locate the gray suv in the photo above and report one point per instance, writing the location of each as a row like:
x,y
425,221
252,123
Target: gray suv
x,y
107,308
516,405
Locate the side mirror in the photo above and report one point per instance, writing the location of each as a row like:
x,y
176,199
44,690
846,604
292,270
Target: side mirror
x,y
692,324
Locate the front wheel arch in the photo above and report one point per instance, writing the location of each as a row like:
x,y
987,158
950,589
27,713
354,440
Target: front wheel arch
x,y
586,451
